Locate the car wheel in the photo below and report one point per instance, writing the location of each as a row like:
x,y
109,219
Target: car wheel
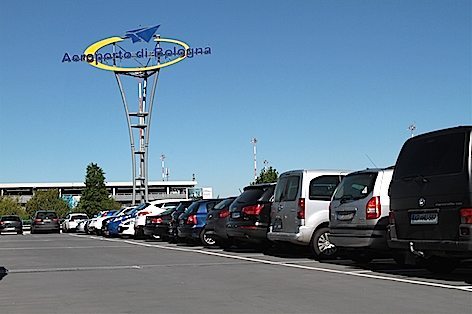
x,y
440,265
32,231
320,245
207,240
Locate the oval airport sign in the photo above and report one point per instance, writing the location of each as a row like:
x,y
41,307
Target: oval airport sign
x,y
95,47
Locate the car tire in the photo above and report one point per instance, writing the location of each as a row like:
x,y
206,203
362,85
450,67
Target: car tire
x,y
32,231
440,265
207,240
320,245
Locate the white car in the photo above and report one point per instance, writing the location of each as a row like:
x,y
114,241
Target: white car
x,y
126,228
154,208
81,226
95,224
72,220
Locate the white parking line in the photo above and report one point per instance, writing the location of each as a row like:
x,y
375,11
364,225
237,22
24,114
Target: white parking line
x,y
291,265
58,247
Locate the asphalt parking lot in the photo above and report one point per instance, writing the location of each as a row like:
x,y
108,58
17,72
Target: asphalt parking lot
x,y
71,273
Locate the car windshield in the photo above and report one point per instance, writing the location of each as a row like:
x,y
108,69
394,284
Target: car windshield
x,y
356,186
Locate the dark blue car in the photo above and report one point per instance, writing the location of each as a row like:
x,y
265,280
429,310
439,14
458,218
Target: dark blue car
x,y
193,221
114,223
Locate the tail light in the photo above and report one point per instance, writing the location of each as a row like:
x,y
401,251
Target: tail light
x,y
55,220
192,220
38,220
224,213
391,218
466,215
2,223
156,220
373,208
301,208
253,210
143,213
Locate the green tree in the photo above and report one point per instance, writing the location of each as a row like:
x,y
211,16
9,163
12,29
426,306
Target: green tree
x,y
10,206
267,175
95,196
47,200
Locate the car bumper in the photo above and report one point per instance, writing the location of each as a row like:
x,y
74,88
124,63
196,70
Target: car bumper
x,y
46,227
11,229
248,233
302,237
355,238
434,247
189,233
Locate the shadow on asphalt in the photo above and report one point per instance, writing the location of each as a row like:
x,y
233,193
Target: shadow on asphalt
x,y
3,272
385,266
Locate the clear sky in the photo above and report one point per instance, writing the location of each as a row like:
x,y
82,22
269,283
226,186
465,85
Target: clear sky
x,y
320,84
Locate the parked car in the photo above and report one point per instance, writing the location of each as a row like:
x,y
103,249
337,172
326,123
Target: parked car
x,y
70,222
113,225
430,199
95,224
193,220
126,228
105,221
174,221
250,214
300,212
11,223
45,220
159,225
216,222
81,226
154,207
359,212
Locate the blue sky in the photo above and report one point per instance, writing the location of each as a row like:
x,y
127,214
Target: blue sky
x,y
321,84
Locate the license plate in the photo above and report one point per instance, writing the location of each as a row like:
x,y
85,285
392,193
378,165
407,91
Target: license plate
x,y
277,225
236,215
343,216
424,218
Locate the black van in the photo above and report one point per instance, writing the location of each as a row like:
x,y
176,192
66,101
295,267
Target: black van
x,y
430,199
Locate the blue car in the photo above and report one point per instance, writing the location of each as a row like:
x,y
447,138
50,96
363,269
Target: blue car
x,y
114,223
193,220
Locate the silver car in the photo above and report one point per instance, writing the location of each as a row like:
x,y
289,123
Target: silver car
x,y
359,214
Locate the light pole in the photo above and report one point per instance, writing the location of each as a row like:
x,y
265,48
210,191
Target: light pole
x,y
412,129
254,142
163,157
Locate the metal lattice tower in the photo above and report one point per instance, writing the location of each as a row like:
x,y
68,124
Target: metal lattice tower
x,y
139,122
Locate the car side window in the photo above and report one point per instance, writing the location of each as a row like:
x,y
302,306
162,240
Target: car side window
x,y
322,188
287,189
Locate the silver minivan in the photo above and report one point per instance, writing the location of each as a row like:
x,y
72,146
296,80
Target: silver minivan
x,y
359,214
299,213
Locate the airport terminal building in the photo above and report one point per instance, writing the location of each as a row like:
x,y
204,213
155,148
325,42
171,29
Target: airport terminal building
x,y
121,191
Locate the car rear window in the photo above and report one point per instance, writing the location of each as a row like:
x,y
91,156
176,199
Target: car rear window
x,y
193,208
75,217
250,195
10,218
431,156
287,188
356,186
46,215
224,203
322,188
